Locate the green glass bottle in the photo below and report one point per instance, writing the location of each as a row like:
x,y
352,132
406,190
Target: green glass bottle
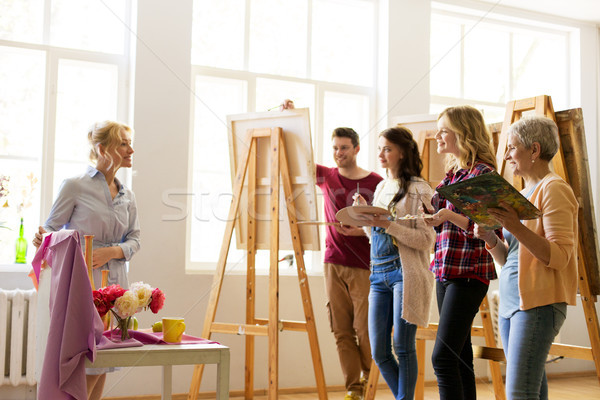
x,y
21,247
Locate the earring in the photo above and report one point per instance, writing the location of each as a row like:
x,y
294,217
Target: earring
x,y
532,160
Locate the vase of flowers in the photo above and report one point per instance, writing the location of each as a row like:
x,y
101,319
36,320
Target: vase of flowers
x,y
123,304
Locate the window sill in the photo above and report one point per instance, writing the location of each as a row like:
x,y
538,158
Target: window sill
x,y
15,268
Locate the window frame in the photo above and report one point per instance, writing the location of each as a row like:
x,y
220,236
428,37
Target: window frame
x,y
53,56
463,15
317,128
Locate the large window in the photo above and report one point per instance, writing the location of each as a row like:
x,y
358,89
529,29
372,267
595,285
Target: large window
x,y
249,55
487,60
63,66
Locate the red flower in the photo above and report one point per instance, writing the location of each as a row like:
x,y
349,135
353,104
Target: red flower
x,y
100,302
112,293
158,300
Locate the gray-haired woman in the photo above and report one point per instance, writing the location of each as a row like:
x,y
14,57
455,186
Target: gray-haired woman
x,y
539,258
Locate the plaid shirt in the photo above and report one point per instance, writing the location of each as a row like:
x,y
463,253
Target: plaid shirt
x,y
458,253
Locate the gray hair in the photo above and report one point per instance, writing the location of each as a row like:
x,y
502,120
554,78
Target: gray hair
x,y
537,129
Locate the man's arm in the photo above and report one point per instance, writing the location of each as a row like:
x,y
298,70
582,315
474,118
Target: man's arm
x,y
347,230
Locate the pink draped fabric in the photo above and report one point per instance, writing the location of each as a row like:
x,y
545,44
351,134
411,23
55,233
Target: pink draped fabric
x,y
75,326
139,338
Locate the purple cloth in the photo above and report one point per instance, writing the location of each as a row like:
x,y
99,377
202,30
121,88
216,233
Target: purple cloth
x,y
138,338
75,326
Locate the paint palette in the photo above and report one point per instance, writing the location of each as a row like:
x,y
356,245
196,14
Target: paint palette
x,y
409,217
357,215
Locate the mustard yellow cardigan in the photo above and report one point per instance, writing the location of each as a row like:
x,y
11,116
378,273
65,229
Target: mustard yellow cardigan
x,y
556,282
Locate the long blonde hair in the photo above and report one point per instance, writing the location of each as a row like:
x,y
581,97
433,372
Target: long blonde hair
x,y
473,138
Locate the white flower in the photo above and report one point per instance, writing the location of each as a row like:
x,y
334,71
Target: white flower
x,y
127,305
143,292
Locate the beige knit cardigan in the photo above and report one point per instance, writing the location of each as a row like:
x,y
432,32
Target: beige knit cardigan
x,y
415,241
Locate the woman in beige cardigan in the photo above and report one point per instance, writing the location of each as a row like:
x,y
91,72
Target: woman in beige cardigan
x,y
401,284
539,258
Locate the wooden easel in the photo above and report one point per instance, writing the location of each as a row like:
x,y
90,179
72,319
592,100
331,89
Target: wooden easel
x,y
89,240
259,326
571,164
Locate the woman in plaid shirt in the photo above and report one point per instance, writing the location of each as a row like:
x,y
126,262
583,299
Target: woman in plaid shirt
x,y
462,266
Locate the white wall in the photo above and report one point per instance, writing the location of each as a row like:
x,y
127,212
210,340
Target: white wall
x,y
407,61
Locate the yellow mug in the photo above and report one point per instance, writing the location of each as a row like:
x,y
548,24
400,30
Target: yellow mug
x,y
173,329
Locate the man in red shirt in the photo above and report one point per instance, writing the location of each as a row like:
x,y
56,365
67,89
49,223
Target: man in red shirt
x,y
347,259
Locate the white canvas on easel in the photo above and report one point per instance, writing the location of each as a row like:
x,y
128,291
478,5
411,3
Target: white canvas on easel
x,y
296,133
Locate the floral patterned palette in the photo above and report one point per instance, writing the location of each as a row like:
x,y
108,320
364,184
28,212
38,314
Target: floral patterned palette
x,y
474,196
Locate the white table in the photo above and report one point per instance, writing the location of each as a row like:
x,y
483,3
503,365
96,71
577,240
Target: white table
x,y
166,356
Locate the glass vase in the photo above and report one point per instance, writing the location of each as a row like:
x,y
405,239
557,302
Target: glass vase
x,y
120,331
21,247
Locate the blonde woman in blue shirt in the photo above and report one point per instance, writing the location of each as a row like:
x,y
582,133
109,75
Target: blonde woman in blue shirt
x,y
97,203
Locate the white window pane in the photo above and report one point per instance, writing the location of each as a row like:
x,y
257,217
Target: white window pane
x,y
349,110
271,92
22,77
491,114
278,36
89,25
342,41
215,99
22,20
87,93
540,67
218,33
445,79
436,108
23,201
486,73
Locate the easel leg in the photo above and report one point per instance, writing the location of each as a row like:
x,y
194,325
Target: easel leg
x,y
589,309
250,276
490,341
371,388
311,328
274,272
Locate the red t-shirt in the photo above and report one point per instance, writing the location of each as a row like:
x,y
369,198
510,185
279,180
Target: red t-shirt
x,y
351,251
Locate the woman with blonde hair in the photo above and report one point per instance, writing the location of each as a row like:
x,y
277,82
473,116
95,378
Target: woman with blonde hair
x,y
461,265
97,203
538,257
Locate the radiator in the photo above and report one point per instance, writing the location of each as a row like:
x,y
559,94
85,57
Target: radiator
x,y
17,337
494,302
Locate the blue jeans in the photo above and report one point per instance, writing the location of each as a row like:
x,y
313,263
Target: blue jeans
x,y
526,338
385,313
